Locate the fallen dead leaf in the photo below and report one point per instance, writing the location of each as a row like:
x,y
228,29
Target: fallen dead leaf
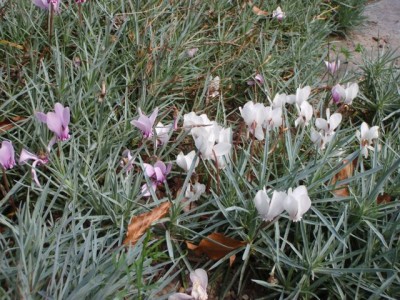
x,y
383,199
343,174
259,12
9,124
11,44
218,249
142,222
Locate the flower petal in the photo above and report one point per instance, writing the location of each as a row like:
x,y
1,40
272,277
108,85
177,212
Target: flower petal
x,y
26,155
261,202
54,123
42,117
200,275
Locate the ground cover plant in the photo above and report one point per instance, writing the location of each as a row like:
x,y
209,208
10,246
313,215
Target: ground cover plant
x,y
193,150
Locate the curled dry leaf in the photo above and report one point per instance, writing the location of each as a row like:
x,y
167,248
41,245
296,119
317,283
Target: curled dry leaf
x,y
142,222
343,174
259,12
218,249
10,123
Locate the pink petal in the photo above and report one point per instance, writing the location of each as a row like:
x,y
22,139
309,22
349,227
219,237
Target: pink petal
x,y
26,155
149,170
54,123
41,117
159,164
66,116
153,116
7,159
34,175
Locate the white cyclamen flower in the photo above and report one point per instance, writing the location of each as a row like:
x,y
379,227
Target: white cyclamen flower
x,y
162,133
279,100
193,192
269,208
329,125
185,161
367,137
297,203
305,114
211,144
272,117
191,120
253,116
320,138
302,95
199,280
346,94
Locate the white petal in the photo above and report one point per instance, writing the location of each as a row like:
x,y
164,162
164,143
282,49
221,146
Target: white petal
x,y
222,149
291,206
199,275
276,205
364,130
259,133
181,161
334,121
261,202
351,93
302,94
321,124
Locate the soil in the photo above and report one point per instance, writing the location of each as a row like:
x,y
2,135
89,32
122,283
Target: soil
x,y
380,32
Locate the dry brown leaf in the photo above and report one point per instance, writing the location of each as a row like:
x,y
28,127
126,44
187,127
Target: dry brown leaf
x,y
259,12
11,44
9,124
343,174
142,222
384,198
217,250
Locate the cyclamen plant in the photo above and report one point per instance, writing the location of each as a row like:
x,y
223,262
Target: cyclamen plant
x,y
296,202
145,124
157,175
57,122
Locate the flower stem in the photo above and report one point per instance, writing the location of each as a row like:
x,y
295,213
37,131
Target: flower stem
x,y
51,22
7,187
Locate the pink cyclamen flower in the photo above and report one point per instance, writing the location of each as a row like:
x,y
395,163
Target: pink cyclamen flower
x,y
7,152
333,66
199,280
57,122
145,123
45,4
157,175
278,14
257,79
37,161
80,1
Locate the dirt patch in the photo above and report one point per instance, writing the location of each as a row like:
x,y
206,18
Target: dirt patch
x,y
380,32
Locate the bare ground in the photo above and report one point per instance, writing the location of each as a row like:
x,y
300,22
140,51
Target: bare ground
x,y
380,32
